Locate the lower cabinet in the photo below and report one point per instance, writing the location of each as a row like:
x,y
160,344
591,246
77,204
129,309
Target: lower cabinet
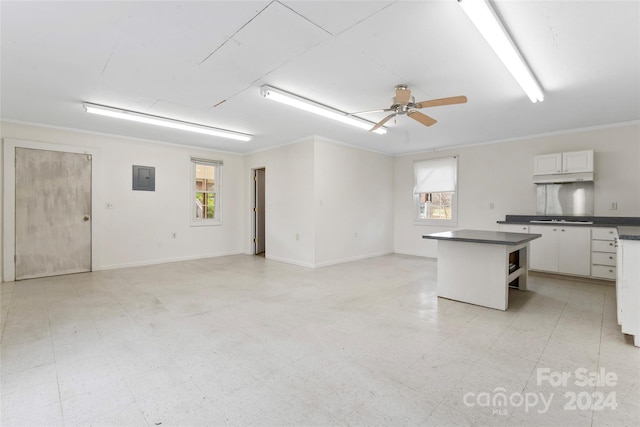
x,y
574,250
603,253
514,228
628,288
561,249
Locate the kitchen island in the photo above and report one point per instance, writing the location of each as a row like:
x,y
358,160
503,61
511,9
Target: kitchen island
x,y
628,282
479,266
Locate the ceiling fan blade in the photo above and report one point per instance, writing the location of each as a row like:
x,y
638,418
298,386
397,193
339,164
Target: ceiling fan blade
x,y
422,118
403,95
371,111
442,101
382,122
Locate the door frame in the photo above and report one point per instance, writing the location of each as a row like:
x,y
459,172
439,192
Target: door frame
x,y
9,198
253,212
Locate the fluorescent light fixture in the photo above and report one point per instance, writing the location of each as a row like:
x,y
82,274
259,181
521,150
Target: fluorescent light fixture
x,y
316,108
487,22
163,121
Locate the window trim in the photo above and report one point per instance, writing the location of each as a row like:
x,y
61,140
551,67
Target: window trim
x,y
453,222
217,219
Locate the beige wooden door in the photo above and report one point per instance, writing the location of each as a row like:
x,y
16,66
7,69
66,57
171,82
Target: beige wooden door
x,y
53,213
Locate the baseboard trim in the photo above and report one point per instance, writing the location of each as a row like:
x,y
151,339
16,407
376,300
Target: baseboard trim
x,y
327,263
589,280
356,258
164,260
289,261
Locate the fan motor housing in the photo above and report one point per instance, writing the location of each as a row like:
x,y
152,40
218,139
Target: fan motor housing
x,y
402,108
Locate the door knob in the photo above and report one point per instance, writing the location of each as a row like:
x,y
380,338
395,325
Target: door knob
x,y
86,218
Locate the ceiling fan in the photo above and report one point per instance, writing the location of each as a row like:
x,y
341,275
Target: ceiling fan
x,y
404,103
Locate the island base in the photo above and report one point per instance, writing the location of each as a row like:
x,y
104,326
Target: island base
x,y
481,274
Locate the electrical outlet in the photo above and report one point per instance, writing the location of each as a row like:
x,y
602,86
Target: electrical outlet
x,y
613,206
297,236
491,205
108,205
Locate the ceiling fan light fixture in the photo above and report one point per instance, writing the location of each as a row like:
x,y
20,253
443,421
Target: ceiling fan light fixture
x,y
488,24
134,116
310,106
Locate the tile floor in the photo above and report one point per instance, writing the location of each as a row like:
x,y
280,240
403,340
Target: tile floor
x,y
242,340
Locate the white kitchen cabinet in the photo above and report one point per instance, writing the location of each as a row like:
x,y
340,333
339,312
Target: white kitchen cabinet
x,y
574,251
543,252
546,164
577,161
603,253
619,271
514,228
628,289
569,162
561,249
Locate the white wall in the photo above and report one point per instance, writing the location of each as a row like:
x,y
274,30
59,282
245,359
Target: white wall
x,y
289,215
353,203
1,207
501,174
320,191
319,194
139,229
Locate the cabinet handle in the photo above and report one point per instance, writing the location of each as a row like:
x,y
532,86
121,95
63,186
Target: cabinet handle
x,y
562,230
610,257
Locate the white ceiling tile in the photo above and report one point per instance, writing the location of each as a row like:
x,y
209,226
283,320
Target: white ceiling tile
x,y
274,37
179,59
336,16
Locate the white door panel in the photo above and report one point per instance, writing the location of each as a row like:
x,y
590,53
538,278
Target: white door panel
x,y
53,213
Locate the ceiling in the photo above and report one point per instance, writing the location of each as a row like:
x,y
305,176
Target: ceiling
x,y
205,61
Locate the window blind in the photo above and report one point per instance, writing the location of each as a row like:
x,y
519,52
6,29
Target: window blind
x,y
435,175
207,161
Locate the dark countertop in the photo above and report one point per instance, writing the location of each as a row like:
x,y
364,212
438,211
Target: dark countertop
x,y
628,227
628,233
591,221
483,236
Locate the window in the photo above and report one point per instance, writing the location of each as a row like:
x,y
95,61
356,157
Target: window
x,y
435,189
205,192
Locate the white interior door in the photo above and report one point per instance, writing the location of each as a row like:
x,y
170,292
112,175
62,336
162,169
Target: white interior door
x,y
53,213
259,211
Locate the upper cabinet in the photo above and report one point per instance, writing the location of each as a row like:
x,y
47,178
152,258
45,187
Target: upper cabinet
x,y
547,164
577,161
569,162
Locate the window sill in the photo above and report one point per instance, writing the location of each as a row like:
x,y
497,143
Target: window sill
x,y
436,223
204,223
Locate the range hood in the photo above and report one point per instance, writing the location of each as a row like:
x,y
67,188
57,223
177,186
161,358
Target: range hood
x,y
558,178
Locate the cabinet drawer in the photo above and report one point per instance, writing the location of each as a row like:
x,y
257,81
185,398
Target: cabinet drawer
x,y
603,258
603,233
603,246
604,272
514,228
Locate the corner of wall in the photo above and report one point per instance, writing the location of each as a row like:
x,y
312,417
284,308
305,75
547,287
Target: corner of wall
x,y
1,208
